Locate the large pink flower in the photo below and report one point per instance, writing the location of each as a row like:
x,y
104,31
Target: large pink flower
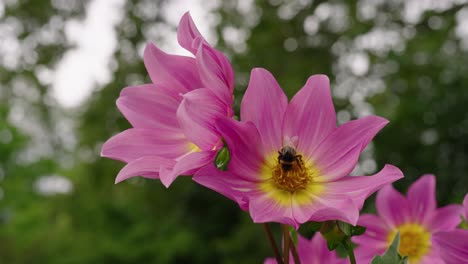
x,y
314,184
173,118
453,245
416,217
313,251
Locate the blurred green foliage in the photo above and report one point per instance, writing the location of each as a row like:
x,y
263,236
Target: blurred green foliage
x,y
411,71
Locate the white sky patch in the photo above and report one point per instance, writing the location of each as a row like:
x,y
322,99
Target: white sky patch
x,y
87,64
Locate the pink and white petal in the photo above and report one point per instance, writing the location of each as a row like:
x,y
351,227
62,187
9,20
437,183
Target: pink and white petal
x,y
359,188
179,72
446,218
215,72
465,206
376,232
310,115
265,209
243,139
135,143
147,167
187,32
225,183
452,246
322,208
146,106
197,114
187,165
264,104
392,206
422,199
338,153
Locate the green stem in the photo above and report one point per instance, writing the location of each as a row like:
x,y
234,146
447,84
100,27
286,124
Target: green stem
x,y
273,245
297,260
286,240
350,250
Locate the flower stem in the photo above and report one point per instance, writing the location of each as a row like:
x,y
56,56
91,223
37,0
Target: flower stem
x,y
273,245
286,241
294,252
349,249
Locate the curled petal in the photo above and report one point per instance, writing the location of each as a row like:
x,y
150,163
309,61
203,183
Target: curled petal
x,y
187,165
310,115
197,114
422,198
225,183
135,143
178,72
392,206
264,104
338,153
215,72
187,32
146,106
147,167
242,139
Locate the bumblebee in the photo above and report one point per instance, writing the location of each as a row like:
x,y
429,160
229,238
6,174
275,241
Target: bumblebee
x,y
287,157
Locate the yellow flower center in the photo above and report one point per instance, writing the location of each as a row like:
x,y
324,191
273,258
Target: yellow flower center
x,y
284,179
415,241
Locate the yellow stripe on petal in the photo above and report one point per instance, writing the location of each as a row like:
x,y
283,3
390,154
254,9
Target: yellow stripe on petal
x,y
193,148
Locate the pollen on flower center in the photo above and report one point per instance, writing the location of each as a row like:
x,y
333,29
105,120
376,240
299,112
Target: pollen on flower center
x,y
415,241
290,172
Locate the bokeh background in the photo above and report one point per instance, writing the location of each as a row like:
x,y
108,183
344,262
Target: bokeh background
x,y
64,62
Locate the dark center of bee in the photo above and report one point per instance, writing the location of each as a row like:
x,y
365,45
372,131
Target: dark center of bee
x,y
290,173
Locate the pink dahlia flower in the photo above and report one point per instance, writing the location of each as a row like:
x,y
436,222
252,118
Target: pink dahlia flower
x,y
289,162
173,117
453,245
313,251
416,217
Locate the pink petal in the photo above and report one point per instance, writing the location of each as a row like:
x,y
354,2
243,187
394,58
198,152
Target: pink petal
x,y
359,188
376,232
187,33
446,218
310,115
147,167
316,251
146,106
465,205
324,208
178,72
135,143
264,104
452,246
187,165
265,209
197,115
215,72
338,153
242,138
225,183
392,206
421,198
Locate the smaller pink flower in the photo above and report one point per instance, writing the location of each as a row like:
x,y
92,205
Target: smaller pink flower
x,y
453,245
313,251
173,118
416,217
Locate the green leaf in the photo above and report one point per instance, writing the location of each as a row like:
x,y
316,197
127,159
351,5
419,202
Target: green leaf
x,y
357,230
332,234
391,256
293,235
222,159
